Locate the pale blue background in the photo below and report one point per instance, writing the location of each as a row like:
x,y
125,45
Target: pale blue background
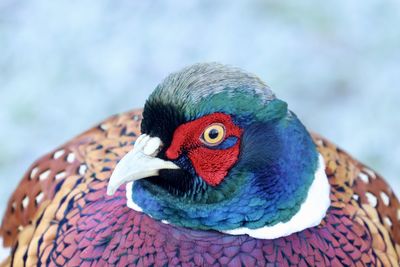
x,y
65,65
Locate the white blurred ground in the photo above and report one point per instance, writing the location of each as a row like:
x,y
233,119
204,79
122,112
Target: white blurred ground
x,y
65,65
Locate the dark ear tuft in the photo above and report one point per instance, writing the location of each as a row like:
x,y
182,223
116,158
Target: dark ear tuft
x,y
161,120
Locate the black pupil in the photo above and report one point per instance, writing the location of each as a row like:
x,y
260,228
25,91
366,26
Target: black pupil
x,y
213,134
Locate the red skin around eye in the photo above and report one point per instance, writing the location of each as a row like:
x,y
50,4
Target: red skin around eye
x,y
212,165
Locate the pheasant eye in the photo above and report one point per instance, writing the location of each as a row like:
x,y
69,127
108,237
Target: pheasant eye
x,y
214,134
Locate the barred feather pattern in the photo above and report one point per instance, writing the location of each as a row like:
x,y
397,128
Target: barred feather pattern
x,y
60,215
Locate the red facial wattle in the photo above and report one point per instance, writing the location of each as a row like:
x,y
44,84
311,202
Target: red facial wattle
x,y
211,163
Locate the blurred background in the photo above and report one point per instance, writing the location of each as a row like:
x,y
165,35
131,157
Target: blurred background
x,y
66,65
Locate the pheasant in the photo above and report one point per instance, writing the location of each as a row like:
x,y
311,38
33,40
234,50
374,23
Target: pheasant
x,y
214,171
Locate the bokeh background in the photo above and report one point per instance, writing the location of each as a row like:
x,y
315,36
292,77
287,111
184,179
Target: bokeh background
x,y
66,65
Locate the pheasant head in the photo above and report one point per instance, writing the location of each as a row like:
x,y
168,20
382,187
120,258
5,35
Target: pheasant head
x,y
219,151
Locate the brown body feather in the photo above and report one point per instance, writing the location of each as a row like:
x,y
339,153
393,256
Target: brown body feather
x,y
37,206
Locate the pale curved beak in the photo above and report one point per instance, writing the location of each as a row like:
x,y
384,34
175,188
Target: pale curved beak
x,y
141,162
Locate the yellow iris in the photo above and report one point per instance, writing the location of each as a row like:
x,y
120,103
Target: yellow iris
x,y
214,134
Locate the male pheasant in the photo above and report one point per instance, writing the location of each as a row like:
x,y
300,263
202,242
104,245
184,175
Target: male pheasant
x,y
218,172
